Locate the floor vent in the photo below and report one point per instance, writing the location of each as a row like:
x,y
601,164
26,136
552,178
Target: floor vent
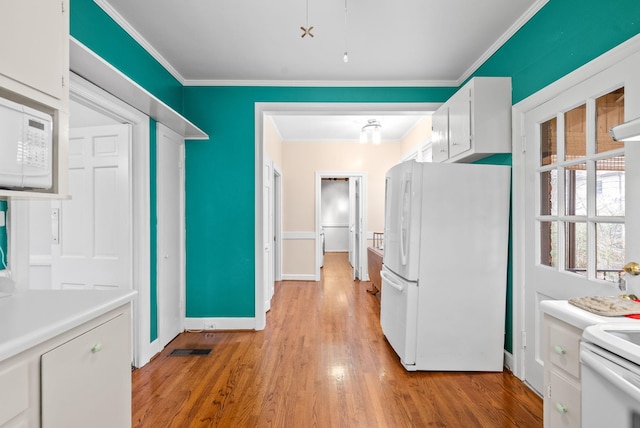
x,y
189,352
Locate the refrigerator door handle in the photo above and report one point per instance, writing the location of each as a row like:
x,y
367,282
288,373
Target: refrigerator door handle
x,y
391,282
404,214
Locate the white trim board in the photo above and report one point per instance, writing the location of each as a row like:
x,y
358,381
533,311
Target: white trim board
x,y
299,277
207,323
298,236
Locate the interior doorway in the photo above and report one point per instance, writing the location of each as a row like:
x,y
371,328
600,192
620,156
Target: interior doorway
x,y
272,239
263,111
31,231
336,231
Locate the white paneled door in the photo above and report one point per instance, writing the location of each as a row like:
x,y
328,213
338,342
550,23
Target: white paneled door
x,y
91,231
170,205
581,217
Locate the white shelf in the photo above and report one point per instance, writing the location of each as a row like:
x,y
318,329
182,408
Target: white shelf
x,y
93,68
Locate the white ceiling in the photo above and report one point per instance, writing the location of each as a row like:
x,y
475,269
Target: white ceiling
x,y
389,43
343,127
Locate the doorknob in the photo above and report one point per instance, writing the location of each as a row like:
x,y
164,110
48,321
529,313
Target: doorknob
x,y
632,268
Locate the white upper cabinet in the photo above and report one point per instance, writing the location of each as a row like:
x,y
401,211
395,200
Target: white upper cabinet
x,y
34,51
475,122
440,135
34,71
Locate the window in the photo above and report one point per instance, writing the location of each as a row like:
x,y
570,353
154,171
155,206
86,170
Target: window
x,y
582,198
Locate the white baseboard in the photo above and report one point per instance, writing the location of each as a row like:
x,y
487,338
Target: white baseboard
x,y
197,324
508,360
146,353
298,277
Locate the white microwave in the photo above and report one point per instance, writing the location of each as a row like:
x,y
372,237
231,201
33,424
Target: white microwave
x,y
25,147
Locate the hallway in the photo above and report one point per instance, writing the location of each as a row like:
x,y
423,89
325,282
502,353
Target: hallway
x,y
322,361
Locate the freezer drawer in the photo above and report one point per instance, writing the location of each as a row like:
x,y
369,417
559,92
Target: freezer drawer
x,y
399,315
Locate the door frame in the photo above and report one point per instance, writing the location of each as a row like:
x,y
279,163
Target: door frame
x,y
272,222
92,96
261,109
519,145
361,209
162,129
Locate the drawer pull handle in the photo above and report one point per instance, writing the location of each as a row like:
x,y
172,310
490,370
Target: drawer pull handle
x,y
559,350
96,348
561,408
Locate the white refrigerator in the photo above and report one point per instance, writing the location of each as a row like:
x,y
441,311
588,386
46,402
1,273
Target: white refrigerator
x,y
444,269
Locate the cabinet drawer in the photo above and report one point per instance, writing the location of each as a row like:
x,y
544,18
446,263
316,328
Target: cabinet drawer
x,y
564,402
564,348
86,382
14,391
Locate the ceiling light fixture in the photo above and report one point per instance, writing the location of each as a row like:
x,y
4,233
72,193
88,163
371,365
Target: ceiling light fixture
x,y
371,132
345,58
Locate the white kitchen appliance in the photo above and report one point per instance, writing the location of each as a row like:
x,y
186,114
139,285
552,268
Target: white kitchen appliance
x,y
610,372
444,272
25,147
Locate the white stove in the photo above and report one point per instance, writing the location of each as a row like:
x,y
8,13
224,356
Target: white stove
x,y
610,364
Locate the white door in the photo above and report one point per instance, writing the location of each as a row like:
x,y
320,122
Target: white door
x,y
170,203
357,268
579,229
355,227
267,232
91,232
352,224
353,219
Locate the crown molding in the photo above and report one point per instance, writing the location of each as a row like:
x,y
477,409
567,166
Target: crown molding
x,y
323,83
502,40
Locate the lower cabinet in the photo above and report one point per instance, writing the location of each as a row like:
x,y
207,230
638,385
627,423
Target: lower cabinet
x,y
562,391
86,382
81,378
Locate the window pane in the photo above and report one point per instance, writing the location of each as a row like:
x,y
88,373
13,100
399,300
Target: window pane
x,y
548,142
610,252
576,247
609,112
575,133
610,187
575,180
549,192
549,243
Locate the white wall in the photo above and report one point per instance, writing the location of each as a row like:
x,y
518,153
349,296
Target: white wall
x,y
335,214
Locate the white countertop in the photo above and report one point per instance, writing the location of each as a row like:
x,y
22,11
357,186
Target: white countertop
x,y
565,311
29,318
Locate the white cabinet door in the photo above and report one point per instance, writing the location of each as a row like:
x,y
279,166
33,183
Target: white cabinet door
x,y
460,122
475,122
35,36
86,382
440,135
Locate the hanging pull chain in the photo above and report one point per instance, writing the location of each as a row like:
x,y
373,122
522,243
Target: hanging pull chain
x,y
307,30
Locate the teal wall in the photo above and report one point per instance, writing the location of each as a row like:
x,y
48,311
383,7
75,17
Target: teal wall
x,y
564,35
561,37
97,31
220,183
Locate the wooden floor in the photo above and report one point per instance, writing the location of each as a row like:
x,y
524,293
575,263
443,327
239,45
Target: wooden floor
x,y
322,361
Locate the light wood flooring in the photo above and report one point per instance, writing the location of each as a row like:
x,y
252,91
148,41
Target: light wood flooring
x,y
322,362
